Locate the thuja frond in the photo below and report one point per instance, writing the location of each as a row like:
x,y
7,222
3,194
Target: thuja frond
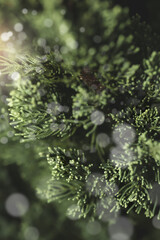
x,y
140,119
14,60
68,164
73,179
152,76
8,65
39,111
84,102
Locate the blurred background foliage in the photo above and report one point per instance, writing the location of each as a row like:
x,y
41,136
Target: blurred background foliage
x,y
42,22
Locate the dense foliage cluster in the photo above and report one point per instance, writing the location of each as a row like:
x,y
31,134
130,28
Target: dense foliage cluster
x,y
100,94
82,112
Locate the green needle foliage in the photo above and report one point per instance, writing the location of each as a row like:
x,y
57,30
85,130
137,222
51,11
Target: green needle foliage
x,y
97,95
